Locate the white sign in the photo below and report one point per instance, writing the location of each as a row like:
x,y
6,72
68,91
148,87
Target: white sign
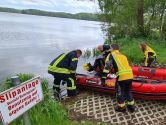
x,y
17,100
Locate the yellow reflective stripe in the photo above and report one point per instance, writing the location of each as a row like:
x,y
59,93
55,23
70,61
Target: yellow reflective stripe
x,y
106,71
58,70
130,103
53,67
123,72
154,54
118,62
146,62
73,85
72,71
103,77
59,59
74,59
151,50
121,105
57,86
62,70
107,58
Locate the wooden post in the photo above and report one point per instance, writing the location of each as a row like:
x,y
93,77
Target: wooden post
x,y
15,81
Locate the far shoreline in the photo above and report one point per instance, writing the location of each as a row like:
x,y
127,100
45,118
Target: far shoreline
x,y
77,16
50,16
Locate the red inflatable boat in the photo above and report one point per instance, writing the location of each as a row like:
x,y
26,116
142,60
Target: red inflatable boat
x,y
141,88
150,73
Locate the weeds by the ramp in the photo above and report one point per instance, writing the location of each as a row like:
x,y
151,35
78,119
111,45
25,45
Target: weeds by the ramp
x,y
47,112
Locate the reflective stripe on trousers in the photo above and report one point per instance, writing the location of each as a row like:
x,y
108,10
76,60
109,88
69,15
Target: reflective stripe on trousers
x,y
130,102
121,105
72,83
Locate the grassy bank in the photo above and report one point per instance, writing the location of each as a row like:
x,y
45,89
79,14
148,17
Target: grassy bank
x,y
47,112
130,48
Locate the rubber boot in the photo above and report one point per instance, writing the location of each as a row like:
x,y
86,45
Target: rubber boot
x,y
72,92
131,108
120,109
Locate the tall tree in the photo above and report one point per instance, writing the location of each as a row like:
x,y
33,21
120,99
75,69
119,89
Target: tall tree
x,y
140,17
164,28
133,17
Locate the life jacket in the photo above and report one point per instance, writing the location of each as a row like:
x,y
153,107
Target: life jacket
x,y
64,64
124,70
149,50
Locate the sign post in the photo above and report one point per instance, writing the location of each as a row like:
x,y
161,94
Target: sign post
x,y
16,81
16,101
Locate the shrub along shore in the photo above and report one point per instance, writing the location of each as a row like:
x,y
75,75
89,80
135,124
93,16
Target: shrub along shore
x,y
47,112
130,47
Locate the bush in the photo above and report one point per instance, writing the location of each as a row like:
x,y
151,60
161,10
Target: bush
x,y
47,112
130,48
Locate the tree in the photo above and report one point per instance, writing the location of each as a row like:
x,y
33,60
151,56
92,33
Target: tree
x,y
164,28
132,18
140,16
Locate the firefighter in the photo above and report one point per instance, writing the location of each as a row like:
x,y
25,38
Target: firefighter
x,y
149,55
124,74
99,61
105,49
64,68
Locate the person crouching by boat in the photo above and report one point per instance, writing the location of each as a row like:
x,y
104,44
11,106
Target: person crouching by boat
x,y
149,55
105,49
64,68
99,63
124,79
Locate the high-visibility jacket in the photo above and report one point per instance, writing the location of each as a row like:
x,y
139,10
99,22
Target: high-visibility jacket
x,y
149,53
123,70
64,63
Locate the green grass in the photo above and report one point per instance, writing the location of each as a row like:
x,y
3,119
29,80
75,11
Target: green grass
x,y
47,112
130,47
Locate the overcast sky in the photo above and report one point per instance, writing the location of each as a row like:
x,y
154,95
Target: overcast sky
x,y
71,6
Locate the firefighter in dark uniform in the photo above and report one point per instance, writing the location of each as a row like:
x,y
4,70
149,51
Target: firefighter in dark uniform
x,y
123,71
149,55
99,62
105,49
64,68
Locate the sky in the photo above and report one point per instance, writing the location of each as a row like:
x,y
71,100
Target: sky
x,y
70,6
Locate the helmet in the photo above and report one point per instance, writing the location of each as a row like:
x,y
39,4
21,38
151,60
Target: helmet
x,y
88,67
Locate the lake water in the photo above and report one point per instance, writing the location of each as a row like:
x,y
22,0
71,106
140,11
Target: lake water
x,y
29,43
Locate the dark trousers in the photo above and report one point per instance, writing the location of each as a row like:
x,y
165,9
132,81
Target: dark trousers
x,y
151,61
124,91
70,79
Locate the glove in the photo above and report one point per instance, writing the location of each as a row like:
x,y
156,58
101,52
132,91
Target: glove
x,y
88,67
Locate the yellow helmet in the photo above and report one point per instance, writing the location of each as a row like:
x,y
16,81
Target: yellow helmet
x,y
86,66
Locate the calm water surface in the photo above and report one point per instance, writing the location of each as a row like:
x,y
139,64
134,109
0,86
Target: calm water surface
x,y
29,43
